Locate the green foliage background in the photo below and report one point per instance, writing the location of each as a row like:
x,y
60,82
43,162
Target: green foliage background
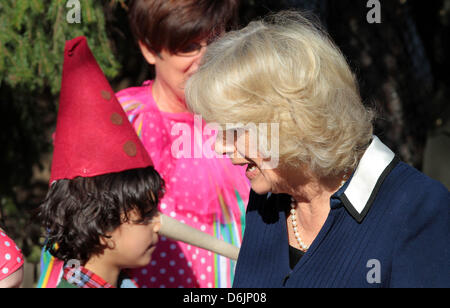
x,y
32,38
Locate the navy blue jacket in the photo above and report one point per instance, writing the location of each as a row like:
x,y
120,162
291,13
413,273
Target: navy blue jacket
x,y
388,227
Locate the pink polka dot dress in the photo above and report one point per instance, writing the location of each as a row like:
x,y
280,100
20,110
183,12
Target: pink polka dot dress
x,y
202,190
11,258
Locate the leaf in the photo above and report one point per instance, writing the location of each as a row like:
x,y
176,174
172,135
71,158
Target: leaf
x,y
18,18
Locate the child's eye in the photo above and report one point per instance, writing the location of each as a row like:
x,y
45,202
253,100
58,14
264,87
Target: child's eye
x,y
148,218
143,221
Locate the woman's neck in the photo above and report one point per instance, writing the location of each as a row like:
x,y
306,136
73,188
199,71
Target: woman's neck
x,y
312,199
166,99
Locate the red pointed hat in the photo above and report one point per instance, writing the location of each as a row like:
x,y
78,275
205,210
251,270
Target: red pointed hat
x,y
93,135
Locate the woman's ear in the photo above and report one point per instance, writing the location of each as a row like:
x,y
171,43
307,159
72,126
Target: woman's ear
x,y
149,56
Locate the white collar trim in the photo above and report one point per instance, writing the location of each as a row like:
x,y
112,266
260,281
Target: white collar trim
x,y
376,163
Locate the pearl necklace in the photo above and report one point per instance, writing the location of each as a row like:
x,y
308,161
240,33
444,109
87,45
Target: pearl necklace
x,y
294,223
295,226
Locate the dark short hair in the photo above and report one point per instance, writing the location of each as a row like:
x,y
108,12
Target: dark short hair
x,y
77,213
172,25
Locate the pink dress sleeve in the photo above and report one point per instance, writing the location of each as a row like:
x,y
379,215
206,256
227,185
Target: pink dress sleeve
x,y
11,258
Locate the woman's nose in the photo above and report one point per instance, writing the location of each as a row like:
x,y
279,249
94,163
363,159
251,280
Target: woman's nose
x,y
221,146
198,59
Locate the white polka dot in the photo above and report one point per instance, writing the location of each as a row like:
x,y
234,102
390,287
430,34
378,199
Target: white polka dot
x,y
189,264
153,279
163,238
162,286
208,269
173,214
3,234
7,244
163,254
162,271
163,206
203,228
189,280
210,285
171,279
188,247
5,270
181,255
19,260
144,271
203,260
202,277
180,287
181,271
8,256
173,246
172,263
194,257
153,263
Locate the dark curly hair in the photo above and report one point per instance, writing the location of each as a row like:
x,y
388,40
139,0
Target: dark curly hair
x,y
77,213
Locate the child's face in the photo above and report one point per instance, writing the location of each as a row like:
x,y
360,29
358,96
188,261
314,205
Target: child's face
x,y
133,243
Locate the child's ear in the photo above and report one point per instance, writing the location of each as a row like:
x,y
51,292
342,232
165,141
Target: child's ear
x,y
107,241
149,56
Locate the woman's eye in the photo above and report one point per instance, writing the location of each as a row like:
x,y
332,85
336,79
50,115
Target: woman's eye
x,y
191,47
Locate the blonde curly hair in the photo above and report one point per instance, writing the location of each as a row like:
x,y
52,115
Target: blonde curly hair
x,y
286,69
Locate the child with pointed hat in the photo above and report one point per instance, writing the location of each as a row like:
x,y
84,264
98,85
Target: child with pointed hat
x,y
101,209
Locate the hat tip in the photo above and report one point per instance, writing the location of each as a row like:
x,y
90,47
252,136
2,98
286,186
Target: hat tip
x,y
72,44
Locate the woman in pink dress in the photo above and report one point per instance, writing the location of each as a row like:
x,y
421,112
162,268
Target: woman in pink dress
x,y
205,192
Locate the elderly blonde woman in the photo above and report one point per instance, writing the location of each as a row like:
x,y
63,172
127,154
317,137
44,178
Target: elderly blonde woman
x,y
339,209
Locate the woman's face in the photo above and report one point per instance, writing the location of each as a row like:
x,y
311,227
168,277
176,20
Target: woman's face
x,y
173,70
241,151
